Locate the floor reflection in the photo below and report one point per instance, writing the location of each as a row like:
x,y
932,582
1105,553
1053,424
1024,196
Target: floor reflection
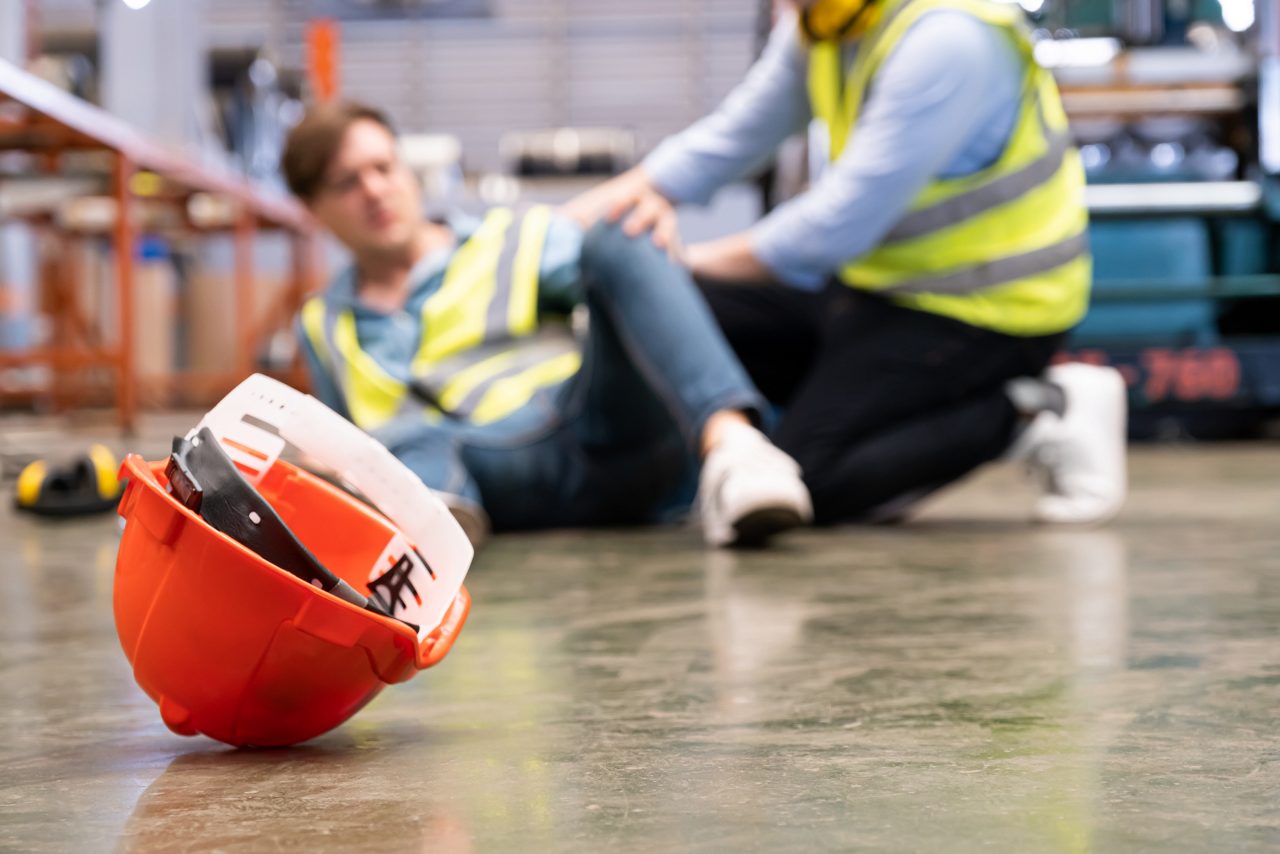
x,y
303,798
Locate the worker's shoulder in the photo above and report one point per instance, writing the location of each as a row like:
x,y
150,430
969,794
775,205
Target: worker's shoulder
x,y
955,30
953,42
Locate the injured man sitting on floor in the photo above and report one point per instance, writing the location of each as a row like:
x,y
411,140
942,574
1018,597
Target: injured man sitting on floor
x,y
449,342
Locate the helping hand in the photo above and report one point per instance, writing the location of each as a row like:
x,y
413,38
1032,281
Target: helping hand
x,y
633,196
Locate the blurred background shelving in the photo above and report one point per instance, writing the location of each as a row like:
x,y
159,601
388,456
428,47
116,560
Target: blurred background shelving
x,y
1174,103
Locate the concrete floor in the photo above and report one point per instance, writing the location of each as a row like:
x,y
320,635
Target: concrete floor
x,y
965,682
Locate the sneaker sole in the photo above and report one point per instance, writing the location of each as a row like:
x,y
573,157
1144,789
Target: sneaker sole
x,y
756,528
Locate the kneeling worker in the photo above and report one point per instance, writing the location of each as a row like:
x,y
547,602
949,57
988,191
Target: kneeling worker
x,y
438,340
904,308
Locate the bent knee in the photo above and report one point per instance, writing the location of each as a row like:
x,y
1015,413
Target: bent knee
x,y
607,252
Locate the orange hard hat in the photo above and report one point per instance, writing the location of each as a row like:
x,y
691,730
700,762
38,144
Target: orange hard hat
x,y
236,647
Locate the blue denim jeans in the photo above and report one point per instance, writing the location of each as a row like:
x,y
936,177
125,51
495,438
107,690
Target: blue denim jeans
x,y
608,446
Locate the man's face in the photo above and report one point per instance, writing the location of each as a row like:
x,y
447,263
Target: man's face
x,y
369,199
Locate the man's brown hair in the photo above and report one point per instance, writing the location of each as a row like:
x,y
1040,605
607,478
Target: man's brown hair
x,y
314,140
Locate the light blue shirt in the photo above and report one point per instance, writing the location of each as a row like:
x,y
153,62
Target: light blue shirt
x,y
943,104
393,338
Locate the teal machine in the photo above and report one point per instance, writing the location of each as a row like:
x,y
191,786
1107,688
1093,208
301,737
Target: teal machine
x,y
1176,109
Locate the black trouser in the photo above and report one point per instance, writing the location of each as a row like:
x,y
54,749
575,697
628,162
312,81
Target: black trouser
x,y
879,401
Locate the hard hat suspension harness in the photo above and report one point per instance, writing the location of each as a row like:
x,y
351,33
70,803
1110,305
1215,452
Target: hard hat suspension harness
x,y
205,481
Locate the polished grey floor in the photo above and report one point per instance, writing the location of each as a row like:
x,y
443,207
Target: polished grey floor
x,y
965,682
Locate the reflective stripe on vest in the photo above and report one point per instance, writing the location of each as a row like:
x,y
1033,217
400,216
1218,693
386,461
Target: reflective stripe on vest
x,y
372,395
465,385
1005,248
479,357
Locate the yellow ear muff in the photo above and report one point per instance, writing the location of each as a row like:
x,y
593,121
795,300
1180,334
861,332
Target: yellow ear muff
x,y
833,19
106,468
30,481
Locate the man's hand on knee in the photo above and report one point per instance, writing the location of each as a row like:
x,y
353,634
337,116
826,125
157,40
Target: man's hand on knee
x,y
632,199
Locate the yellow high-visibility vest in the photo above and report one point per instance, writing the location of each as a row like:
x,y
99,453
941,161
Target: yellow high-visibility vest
x,y
1005,248
481,356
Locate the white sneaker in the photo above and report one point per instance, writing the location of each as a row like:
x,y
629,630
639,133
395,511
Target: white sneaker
x,y
749,490
1080,455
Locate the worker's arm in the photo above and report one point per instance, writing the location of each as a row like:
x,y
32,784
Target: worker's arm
x,y
740,137
729,259
737,139
943,103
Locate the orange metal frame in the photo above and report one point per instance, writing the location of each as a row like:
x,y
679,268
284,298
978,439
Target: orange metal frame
x,y
37,117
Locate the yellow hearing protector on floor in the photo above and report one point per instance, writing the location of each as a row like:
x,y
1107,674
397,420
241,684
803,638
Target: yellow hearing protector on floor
x,y
823,20
87,484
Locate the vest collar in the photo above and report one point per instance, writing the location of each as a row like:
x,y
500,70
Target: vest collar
x,y
425,274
